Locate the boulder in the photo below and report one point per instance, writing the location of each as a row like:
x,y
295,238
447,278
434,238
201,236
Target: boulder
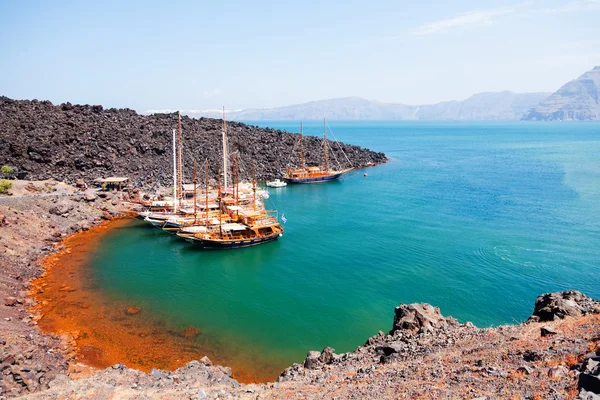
x,y
327,355
558,372
89,195
560,305
80,183
190,332
10,301
547,331
205,361
62,207
133,310
312,360
422,317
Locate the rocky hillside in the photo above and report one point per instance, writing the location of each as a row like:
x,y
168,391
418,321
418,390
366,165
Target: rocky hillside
x,y
68,142
577,100
482,106
554,355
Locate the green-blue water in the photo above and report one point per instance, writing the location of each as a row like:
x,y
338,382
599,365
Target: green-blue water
x,y
477,218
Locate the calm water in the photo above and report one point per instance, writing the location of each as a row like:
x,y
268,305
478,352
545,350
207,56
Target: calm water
x,y
476,218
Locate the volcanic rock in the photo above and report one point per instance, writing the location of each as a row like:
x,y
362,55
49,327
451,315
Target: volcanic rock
x,y
420,317
62,207
547,331
190,332
559,305
89,195
70,142
133,310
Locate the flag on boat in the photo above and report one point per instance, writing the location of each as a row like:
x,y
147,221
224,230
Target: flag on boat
x,y
283,218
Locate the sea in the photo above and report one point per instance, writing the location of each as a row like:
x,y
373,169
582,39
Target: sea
x,y
477,218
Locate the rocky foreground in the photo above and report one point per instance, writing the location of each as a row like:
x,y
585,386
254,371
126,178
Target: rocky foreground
x,y
554,355
70,142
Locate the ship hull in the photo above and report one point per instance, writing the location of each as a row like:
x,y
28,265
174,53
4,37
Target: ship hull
x,y
231,244
315,179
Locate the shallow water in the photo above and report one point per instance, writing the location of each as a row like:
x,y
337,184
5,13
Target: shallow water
x,y
476,218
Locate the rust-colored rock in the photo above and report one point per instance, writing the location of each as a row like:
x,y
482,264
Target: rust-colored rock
x,y
190,332
133,310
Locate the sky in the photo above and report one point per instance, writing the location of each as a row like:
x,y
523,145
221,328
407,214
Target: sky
x,y
201,55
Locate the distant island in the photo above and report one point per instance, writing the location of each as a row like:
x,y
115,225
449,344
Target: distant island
x,y
481,106
576,100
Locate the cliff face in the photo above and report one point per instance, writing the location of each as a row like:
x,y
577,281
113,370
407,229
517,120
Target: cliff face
x,y
68,142
577,100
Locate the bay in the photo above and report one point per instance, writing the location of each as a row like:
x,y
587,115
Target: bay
x,y
476,218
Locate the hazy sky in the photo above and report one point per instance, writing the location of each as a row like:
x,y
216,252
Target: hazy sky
x,y
246,54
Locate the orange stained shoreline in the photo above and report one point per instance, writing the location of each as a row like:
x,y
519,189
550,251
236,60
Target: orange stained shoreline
x,y
105,332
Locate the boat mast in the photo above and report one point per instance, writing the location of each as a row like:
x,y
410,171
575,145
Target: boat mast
x,y
179,159
219,201
325,160
253,185
206,198
234,180
195,204
224,151
302,149
174,172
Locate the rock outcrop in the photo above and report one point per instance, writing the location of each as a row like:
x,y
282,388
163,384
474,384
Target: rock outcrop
x,y
78,143
559,305
577,100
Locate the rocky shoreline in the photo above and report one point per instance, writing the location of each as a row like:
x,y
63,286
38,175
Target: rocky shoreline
x,y
70,142
554,355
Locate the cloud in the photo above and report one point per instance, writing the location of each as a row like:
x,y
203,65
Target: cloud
x,y
487,17
468,19
573,6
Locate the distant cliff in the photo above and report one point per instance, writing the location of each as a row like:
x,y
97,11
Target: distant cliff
x,y
482,106
577,100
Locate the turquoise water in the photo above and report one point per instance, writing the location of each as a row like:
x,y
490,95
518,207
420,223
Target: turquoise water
x,y
476,218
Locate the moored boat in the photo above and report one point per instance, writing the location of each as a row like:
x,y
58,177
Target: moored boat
x,y
314,174
277,183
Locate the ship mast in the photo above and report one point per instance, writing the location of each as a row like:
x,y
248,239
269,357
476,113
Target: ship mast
x,y
219,201
224,151
253,185
174,173
302,149
195,204
179,159
325,159
206,198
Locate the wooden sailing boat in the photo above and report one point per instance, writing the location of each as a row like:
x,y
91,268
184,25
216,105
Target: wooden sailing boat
x,y
245,227
316,174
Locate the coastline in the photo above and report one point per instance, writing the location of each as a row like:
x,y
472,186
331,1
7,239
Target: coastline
x,y
97,326
425,355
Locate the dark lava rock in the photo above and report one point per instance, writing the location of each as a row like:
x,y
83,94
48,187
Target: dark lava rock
x,y
420,317
559,305
72,142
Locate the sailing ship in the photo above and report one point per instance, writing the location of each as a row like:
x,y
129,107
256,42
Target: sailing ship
x,y
243,227
314,174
